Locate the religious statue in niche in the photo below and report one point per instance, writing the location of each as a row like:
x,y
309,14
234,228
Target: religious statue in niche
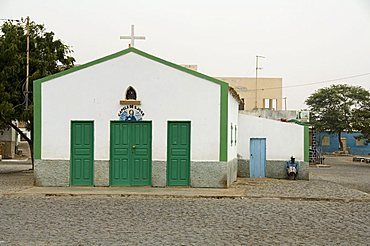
x,y
130,97
131,110
130,94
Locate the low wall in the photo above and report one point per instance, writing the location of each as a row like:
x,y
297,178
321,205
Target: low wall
x,y
213,174
202,174
101,173
274,169
52,172
7,149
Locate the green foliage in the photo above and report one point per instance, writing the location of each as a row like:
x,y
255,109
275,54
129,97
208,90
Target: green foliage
x,y
340,108
362,121
47,56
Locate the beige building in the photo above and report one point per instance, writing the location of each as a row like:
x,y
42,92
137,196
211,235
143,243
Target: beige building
x,y
268,93
267,96
191,66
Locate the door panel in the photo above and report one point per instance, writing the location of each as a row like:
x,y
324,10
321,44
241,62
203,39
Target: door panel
x,y
82,153
130,153
141,150
178,154
257,157
120,154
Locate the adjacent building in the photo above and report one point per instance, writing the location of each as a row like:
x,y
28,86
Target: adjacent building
x,y
260,93
352,143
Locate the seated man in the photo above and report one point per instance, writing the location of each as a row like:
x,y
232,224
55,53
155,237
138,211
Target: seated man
x,y
292,167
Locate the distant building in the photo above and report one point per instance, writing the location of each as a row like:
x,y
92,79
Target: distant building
x,y
191,67
7,143
329,143
267,96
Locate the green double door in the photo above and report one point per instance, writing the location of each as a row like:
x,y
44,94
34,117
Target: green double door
x,y
178,153
82,153
130,153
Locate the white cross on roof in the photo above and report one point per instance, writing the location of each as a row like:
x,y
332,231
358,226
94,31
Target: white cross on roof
x,y
132,37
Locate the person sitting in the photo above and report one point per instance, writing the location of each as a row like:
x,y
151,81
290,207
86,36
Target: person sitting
x,y
294,164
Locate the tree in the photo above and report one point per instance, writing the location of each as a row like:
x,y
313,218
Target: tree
x,y
47,56
340,108
362,123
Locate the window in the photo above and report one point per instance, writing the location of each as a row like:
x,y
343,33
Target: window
x,y
360,142
130,94
325,141
232,134
269,103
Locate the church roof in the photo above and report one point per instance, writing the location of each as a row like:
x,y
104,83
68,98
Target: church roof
x,y
224,88
138,52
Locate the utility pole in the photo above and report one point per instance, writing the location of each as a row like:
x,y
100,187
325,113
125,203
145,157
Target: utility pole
x,y
28,58
257,68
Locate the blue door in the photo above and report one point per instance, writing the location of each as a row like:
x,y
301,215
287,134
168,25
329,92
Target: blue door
x,y
257,166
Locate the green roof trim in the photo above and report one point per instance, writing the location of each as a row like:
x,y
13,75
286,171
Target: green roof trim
x,y
306,144
223,96
37,120
224,111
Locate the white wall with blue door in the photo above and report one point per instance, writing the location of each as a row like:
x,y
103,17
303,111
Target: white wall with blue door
x,y
282,139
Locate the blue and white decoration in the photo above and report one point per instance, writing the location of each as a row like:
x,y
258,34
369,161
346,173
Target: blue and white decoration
x,y
131,113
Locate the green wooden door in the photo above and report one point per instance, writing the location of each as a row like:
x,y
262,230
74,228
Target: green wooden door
x,y
130,153
82,153
120,154
178,154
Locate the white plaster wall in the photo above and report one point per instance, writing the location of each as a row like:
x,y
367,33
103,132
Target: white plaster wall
x,y
8,135
166,93
233,112
282,139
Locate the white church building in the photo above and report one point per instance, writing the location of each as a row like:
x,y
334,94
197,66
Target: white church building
x,y
133,119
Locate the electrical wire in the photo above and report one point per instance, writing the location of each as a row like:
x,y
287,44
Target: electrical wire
x,y
313,83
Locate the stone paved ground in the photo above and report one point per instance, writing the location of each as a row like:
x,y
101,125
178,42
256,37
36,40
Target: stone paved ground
x,y
299,189
344,171
133,221
316,212
15,176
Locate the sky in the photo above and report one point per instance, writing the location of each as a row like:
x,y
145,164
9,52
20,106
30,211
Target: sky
x,y
306,43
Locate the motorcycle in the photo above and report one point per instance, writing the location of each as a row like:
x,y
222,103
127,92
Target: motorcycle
x,y
292,172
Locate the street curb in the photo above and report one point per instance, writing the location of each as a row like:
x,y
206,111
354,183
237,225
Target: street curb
x,y
174,196
312,199
121,195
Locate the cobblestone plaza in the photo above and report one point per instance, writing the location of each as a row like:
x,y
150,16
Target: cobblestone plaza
x,y
133,221
322,211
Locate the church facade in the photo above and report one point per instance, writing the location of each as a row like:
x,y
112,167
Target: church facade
x,y
133,119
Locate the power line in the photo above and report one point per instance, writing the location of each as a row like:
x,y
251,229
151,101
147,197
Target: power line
x,y
314,83
330,80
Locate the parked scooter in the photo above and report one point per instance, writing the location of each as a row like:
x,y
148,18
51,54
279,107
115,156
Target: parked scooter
x,y
292,168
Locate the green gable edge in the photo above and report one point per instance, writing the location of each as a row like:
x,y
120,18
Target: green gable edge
x,y
223,96
306,144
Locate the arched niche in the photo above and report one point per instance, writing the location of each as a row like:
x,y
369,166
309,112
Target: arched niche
x,y
130,93
130,97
